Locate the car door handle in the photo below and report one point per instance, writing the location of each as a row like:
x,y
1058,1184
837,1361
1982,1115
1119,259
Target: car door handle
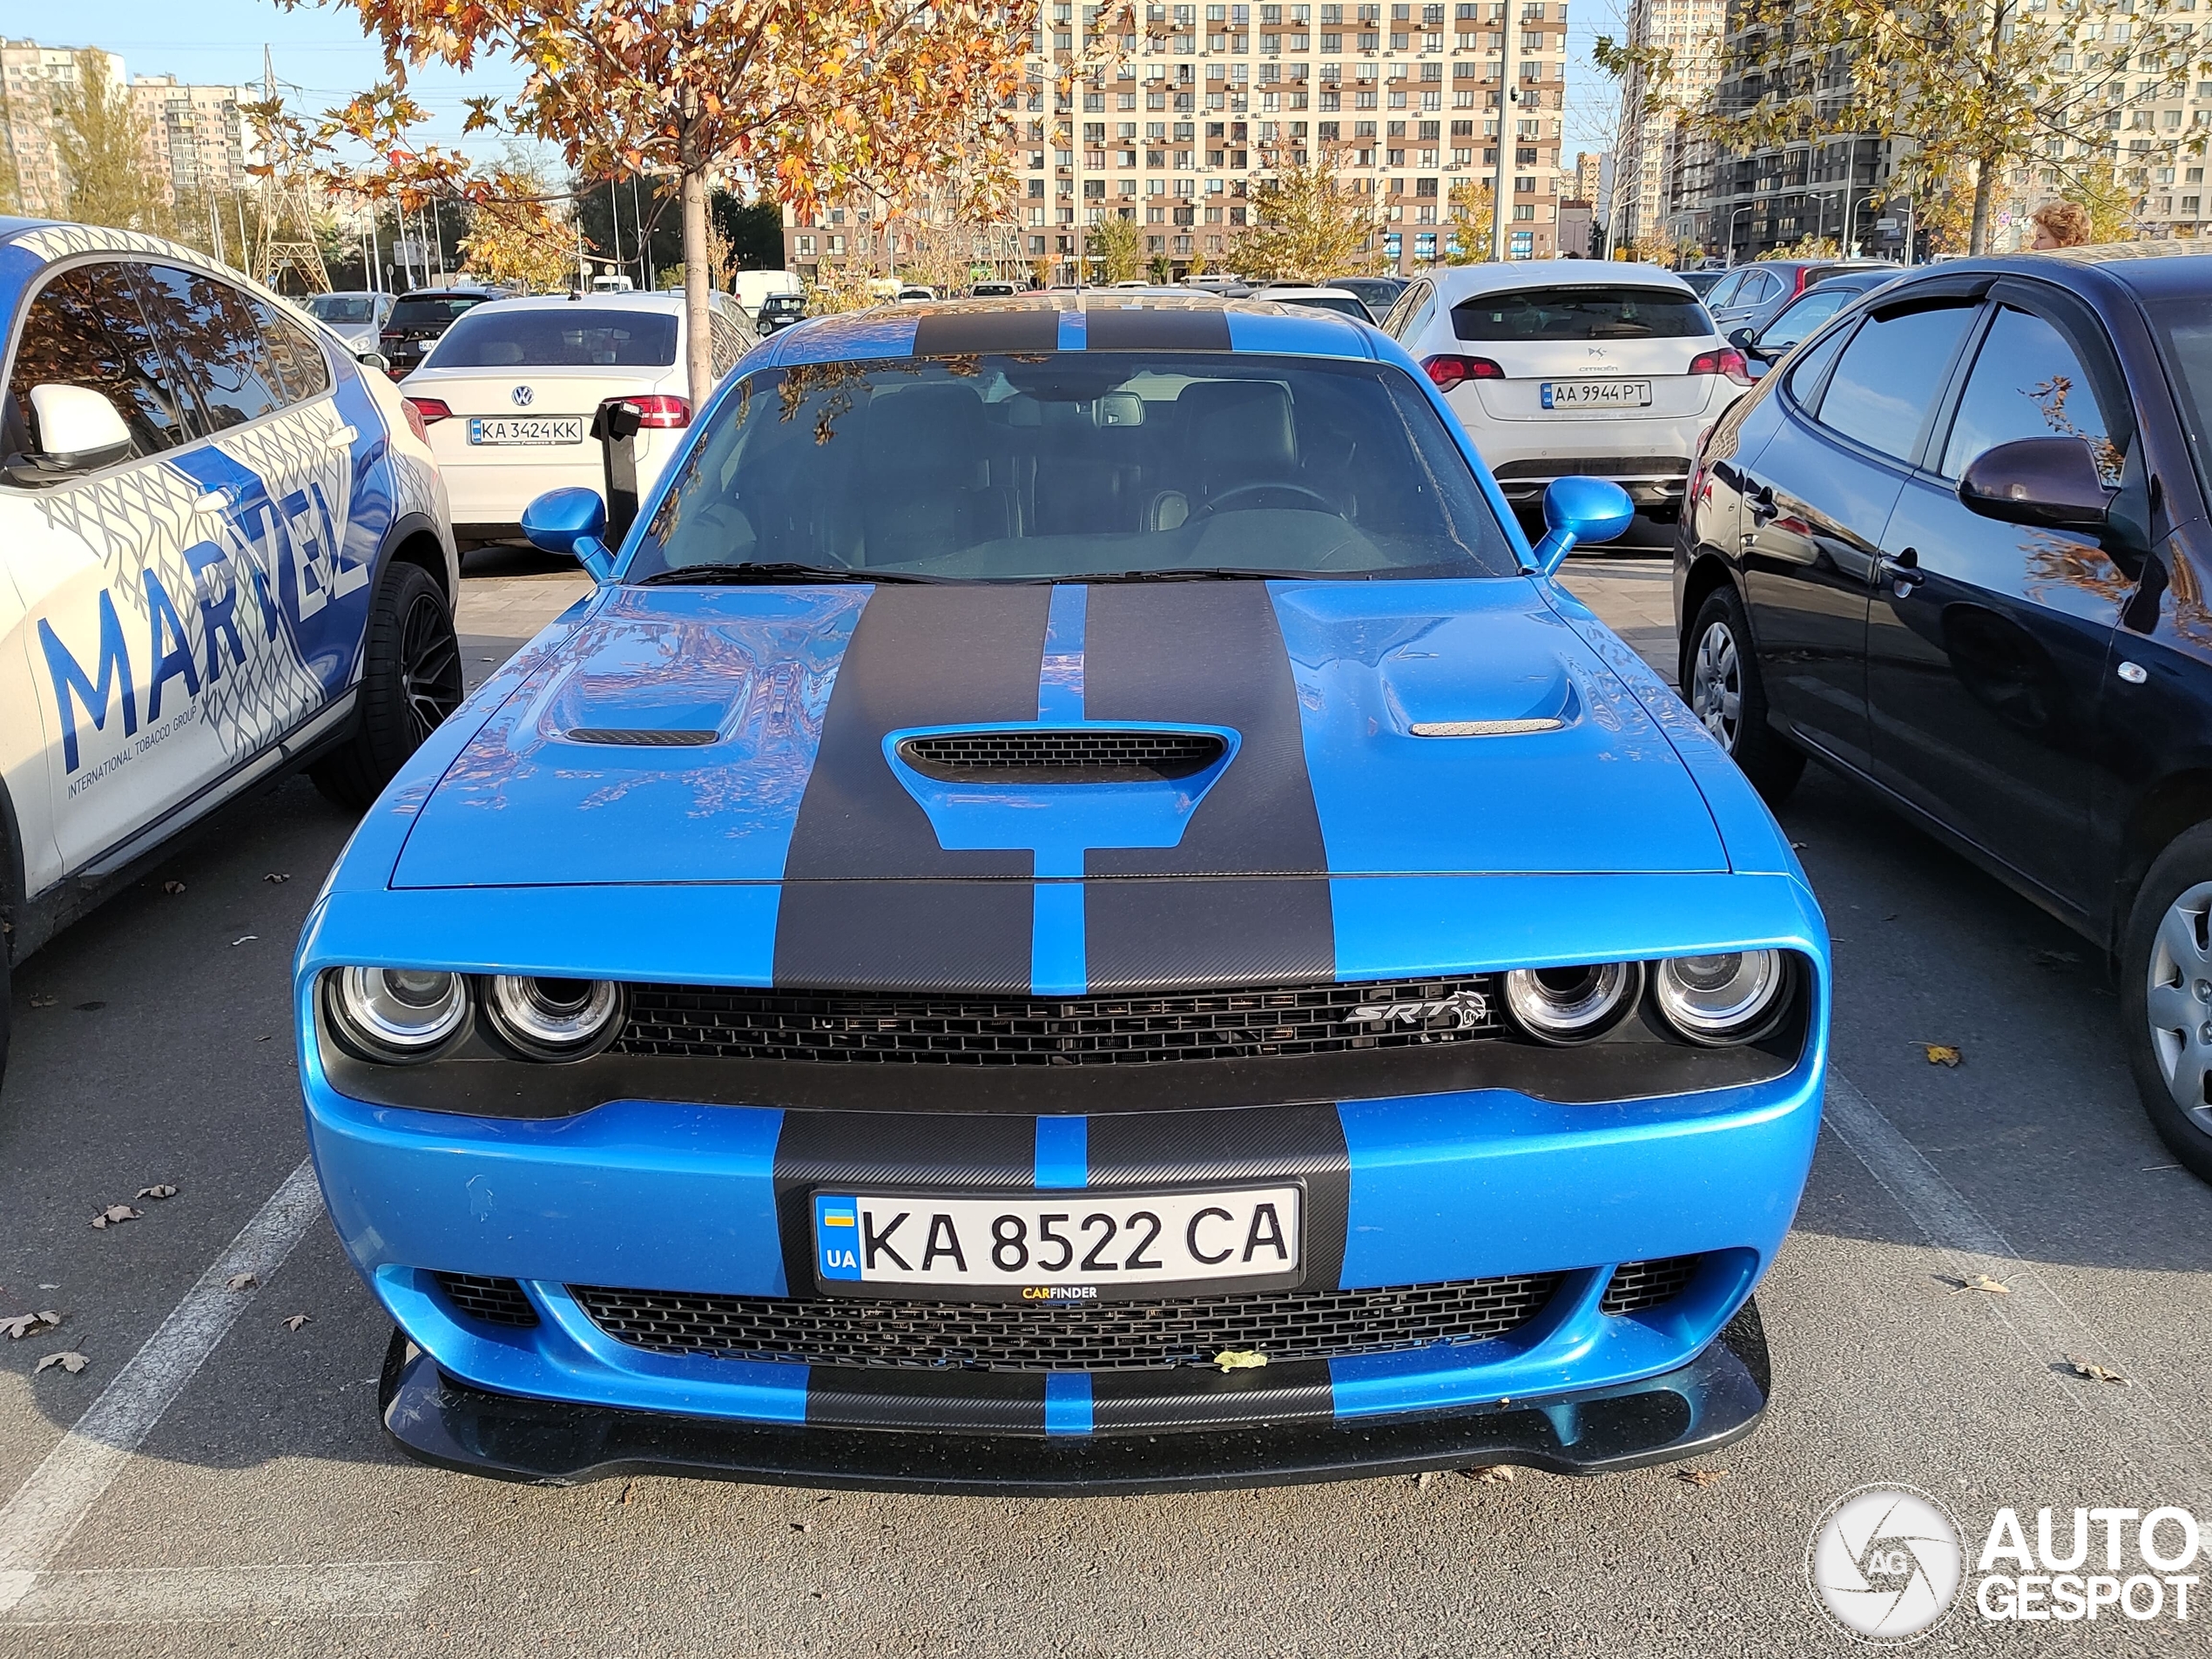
x,y
341,439
1761,503
215,500
1902,572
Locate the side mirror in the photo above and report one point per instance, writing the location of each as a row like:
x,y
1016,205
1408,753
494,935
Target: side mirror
x,y
571,522
1742,339
79,431
1578,510
373,360
2052,483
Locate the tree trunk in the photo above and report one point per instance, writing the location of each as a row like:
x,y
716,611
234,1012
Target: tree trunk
x,y
1984,181
699,281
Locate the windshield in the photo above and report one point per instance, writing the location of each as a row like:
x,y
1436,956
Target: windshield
x,y
1344,305
2185,328
1059,465
569,336
432,311
1616,312
343,307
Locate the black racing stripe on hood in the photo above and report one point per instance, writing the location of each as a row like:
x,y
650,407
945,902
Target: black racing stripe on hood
x,y
848,1151
1146,1151
1208,653
865,901
1153,327
959,333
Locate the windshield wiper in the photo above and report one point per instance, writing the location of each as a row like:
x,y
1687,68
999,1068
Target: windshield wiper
x,y
768,572
1191,573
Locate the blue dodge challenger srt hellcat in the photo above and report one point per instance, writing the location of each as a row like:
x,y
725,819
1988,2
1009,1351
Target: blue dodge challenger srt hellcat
x,y
1076,913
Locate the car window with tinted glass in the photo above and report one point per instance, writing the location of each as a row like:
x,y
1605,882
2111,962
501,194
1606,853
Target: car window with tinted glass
x,y
1809,365
1798,321
2027,383
296,362
1723,292
86,328
1889,374
215,339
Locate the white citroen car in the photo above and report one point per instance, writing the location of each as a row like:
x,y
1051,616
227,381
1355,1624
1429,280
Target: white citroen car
x,y
1568,367
508,394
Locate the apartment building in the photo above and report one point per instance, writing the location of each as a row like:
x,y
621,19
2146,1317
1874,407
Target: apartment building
x,y
1652,106
34,75
1176,119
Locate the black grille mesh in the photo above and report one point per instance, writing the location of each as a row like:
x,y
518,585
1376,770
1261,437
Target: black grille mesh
x,y
1033,1031
1635,1286
1093,757
1098,1336
495,1301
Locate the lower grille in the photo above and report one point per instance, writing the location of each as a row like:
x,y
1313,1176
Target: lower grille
x,y
870,1029
1636,1286
495,1301
1596,467
1089,756
1104,1336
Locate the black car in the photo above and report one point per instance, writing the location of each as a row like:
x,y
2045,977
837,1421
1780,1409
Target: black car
x,y
1958,548
779,311
1702,282
1377,294
420,318
1787,322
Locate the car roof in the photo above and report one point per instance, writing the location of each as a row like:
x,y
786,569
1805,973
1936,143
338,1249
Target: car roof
x,y
1168,320
452,291
1462,281
614,300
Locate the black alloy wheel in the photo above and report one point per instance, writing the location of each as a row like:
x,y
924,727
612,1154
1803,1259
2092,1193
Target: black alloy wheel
x,y
1720,679
410,681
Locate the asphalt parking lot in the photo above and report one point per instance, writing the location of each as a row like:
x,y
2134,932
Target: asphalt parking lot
x,y
252,1505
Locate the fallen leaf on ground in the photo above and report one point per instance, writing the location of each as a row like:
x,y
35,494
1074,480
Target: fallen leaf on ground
x,y
116,1213
1942,1054
23,1324
2094,1372
240,1282
72,1362
164,1191
295,1321
243,939
1979,1282
278,877
172,887
1700,1477
802,1526
1240,1358
43,1001
1491,1474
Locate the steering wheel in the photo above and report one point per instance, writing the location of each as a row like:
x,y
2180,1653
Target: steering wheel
x,y
1315,497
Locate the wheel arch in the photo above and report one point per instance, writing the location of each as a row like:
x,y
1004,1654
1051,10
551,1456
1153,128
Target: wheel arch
x,y
414,539
14,912
2170,809
1708,572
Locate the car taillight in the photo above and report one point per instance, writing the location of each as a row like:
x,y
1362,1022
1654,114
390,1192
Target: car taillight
x,y
1448,371
1697,482
423,412
1728,360
661,410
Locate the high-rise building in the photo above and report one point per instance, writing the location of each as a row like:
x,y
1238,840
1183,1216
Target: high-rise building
x,y
200,137
34,75
1652,139
1187,109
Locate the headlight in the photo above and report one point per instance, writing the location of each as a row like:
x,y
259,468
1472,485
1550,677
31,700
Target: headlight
x,y
1733,997
1572,1004
396,1015
554,1018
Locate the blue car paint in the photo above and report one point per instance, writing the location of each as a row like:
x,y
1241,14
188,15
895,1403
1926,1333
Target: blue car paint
x,y
1444,1186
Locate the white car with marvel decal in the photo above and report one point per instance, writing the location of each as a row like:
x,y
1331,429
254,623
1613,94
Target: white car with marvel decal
x,y
224,553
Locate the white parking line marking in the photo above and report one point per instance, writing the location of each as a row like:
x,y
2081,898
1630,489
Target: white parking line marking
x,y
2142,1427
37,1521
224,1595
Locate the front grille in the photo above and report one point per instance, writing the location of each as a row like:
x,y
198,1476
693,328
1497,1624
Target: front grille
x,y
1098,1336
1081,756
1636,1286
495,1301
1039,1031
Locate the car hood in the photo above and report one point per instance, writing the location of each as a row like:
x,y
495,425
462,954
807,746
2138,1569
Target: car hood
x,y
1354,729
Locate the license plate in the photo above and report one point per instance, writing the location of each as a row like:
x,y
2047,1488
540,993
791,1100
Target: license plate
x,y
536,428
1586,395
1068,1247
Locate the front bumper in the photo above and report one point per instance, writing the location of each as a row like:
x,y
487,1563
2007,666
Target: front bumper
x,y
1695,1409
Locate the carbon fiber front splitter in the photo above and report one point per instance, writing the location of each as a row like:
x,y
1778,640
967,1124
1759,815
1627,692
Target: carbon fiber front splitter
x,y
1715,1399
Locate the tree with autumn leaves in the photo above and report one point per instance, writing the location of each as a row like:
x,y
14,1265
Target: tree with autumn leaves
x,y
809,98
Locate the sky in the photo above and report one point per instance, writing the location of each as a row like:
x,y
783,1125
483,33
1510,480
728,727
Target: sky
x,y
321,59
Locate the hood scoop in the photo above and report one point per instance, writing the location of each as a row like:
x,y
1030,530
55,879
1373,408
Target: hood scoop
x,y
1077,755
635,736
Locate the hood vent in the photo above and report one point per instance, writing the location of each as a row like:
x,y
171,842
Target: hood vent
x,y
1081,756
643,736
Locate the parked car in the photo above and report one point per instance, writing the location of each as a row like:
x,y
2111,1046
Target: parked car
x,y
1564,367
779,311
223,556
508,393
992,290
1741,294
1340,300
357,318
1783,324
420,316
913,293
847,1004
1377,294
1955,549
1702,282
